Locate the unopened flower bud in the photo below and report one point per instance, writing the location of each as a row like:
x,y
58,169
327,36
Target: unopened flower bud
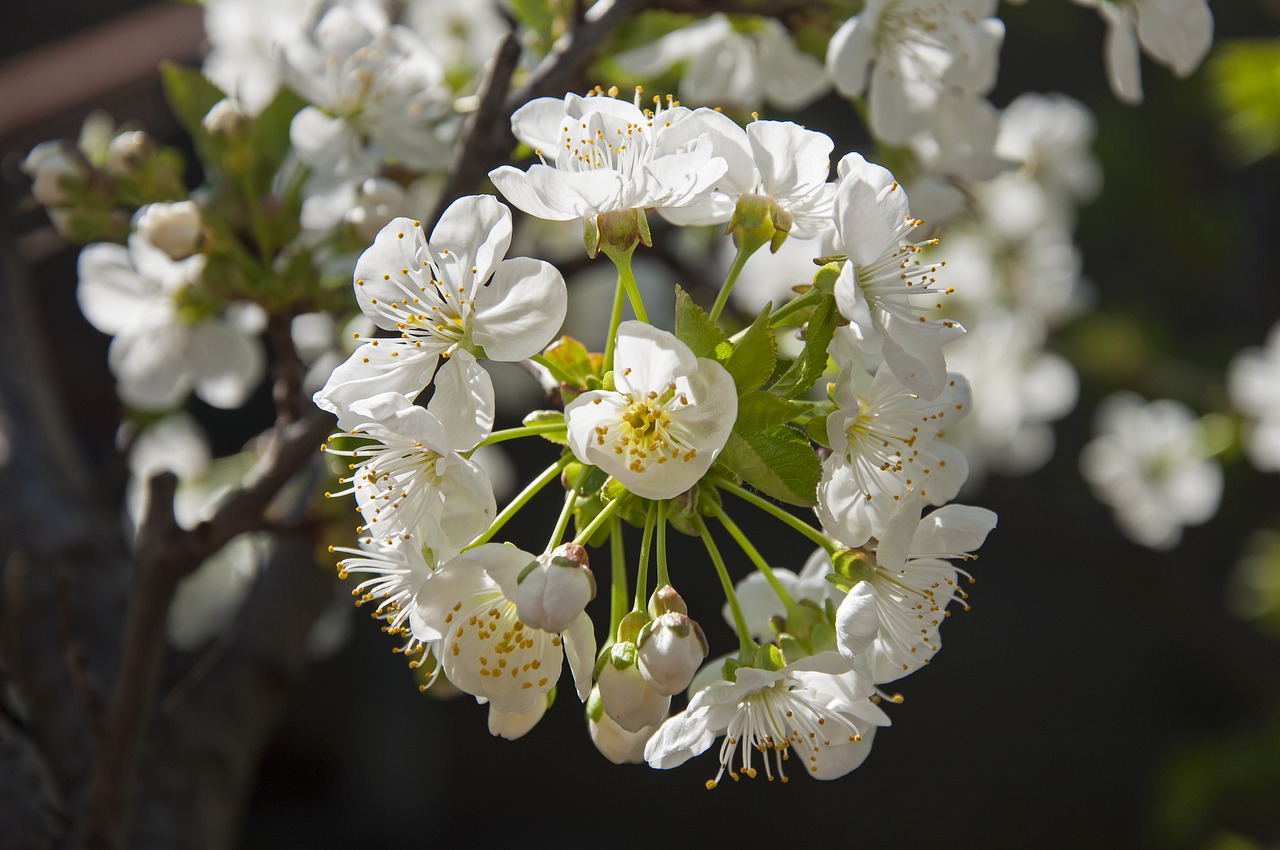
x,y
615,743
50,166
553,591
664,600
669,651
127,151
175,228
225,118
626,695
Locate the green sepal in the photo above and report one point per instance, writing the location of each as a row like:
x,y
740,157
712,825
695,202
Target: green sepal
x,y
695,329
768,657
755,355
530,567
853,565
779,462
812,362
546,417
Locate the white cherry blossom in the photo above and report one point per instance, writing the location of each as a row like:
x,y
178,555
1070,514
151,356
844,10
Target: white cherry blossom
x,y
412,472
662,427
1150,463
485,649
451,293
601,154
1175,33
726,67
906,53
1253,380
884,444
168,341
776,162
890,619
815,710
880,287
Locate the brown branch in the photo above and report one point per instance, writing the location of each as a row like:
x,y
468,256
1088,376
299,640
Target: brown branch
x,y
287,370
167,554
487,138
474,149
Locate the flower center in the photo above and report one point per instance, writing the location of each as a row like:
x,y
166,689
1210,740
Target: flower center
x,y
647,433
774,721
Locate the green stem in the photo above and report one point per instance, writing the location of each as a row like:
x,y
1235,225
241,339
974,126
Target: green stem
x,y
663,578
786,311
615,319
618,577
754,555
745,250
746,646
769,507
516,433
521,500
570,499
556,372
622,260
642,573
600,519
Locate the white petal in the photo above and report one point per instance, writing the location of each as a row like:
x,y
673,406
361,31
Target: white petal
x,y
520,310
463,400
580,649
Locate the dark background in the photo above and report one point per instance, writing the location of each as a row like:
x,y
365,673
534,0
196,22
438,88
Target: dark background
x,y
1098,694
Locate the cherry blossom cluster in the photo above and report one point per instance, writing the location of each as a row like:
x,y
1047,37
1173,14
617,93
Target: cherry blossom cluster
x,y
658,431
826,384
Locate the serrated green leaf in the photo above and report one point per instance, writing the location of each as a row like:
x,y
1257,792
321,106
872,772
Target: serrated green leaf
x,y
190,96
695,329
548,417
761,410
778,462
754,356
812,362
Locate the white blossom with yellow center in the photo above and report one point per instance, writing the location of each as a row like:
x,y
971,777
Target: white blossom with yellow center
x,y
601,154
816,711
484,648
454,291
660,430
888,624
885,442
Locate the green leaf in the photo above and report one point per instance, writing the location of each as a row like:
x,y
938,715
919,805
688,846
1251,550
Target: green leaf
x,y
816,428
695,329
545,417
812,362
271,136
570,362
190,96
755,355
761,410
1246,84
778,462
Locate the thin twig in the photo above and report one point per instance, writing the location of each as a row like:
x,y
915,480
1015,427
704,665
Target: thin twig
x,y
472,154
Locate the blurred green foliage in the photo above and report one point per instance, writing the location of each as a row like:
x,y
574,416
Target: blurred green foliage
x,y
1246,84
